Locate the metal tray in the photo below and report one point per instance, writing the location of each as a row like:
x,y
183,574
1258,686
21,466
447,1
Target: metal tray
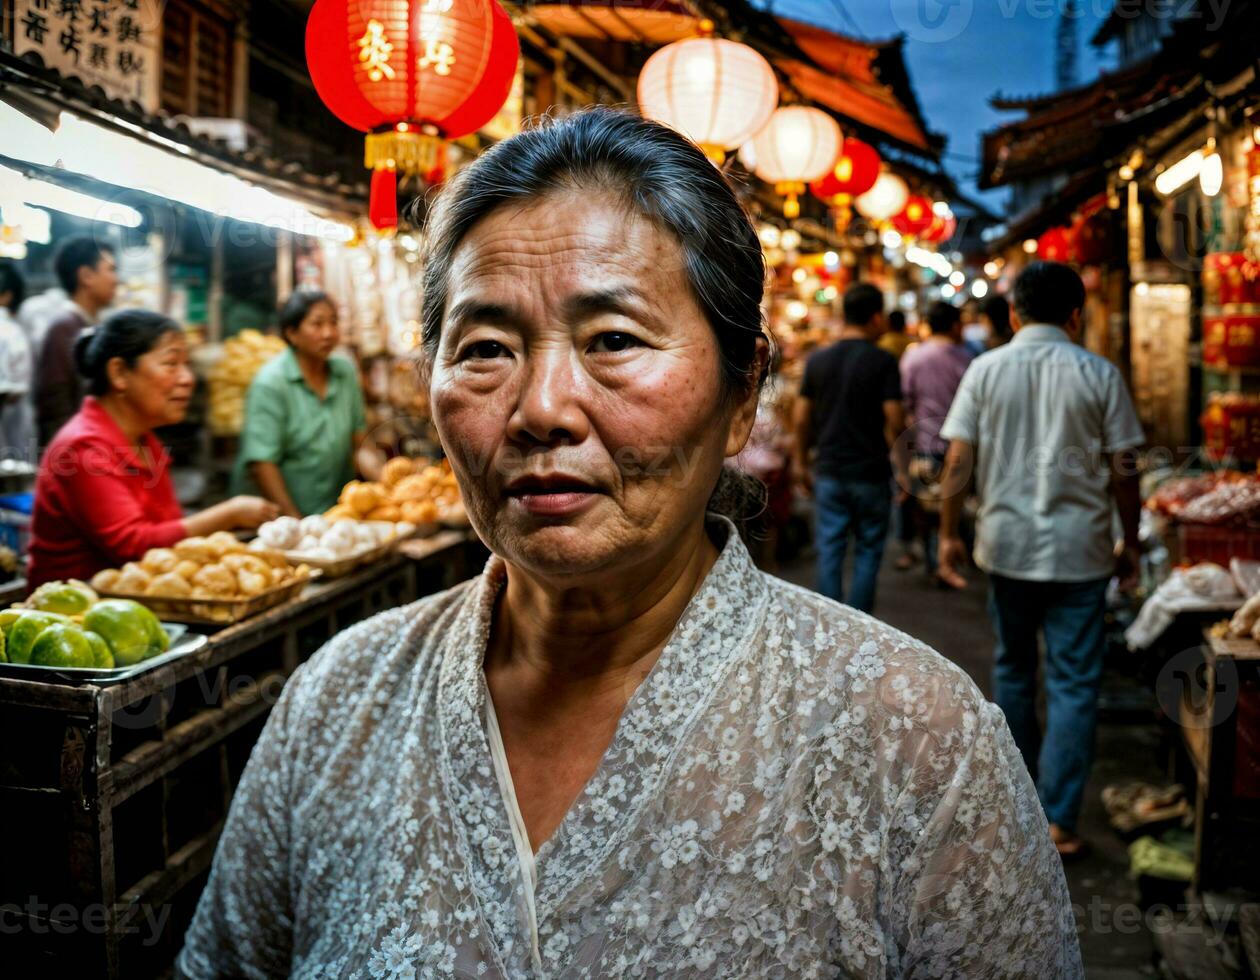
x,y
182,644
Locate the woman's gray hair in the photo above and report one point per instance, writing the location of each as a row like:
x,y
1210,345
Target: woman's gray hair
x,y
661,175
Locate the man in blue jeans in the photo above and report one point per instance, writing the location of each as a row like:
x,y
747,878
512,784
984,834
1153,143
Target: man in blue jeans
x,y
850,408
1049,431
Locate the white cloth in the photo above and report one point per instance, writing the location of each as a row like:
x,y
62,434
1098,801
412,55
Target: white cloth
x,y
1044,414
1203,588
795,790
17,422
38,313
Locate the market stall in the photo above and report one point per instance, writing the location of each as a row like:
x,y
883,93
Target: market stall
x,y
121,788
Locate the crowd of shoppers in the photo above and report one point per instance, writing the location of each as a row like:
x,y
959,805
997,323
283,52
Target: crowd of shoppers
x,y
1043,434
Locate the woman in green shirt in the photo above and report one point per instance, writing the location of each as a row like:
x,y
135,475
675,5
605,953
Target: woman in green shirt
x,y
304,421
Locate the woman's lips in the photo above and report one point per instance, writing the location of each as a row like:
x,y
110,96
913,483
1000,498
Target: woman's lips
x,y
559,504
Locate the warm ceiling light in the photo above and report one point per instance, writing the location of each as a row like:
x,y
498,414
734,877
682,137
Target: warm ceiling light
x,y
1212,173
1180,174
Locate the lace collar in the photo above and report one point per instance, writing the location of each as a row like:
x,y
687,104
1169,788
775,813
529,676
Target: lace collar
x,y
731,602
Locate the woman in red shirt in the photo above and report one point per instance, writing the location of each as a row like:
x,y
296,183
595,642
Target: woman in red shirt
x,y
104,495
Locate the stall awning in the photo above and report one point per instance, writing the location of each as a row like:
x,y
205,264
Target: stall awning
x,y
862,80
627,21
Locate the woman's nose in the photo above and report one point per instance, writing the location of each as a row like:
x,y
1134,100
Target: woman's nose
x,y
549,405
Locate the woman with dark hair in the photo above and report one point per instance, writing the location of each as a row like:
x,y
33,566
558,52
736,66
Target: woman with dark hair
x,y
304,419
104,495
621,750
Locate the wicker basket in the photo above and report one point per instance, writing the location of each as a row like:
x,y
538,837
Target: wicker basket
x,y
217,612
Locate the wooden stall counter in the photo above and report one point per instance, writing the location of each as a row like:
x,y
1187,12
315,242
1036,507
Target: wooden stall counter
x,y
114,795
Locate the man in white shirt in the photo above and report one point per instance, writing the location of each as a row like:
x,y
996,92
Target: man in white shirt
x,y
1049,432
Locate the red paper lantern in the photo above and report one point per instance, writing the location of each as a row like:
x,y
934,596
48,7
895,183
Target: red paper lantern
x,y
411,73
1055,245
854,173
940,230
1090,239
916,217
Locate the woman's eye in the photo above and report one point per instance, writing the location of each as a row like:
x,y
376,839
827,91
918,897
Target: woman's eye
x,y
613,343
483,350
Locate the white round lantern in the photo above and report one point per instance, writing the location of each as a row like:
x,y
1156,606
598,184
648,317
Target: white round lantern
x,y
885,199
797,145
718,93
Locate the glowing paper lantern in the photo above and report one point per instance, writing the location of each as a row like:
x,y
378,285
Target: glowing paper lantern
x,y
855,172
797,145
940,230
1056,245
717,93
916,217
412,74
886,198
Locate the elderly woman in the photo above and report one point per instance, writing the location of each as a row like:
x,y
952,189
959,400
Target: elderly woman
x,y
621,750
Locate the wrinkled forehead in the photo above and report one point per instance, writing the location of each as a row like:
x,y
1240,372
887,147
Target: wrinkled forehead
x,y
564,242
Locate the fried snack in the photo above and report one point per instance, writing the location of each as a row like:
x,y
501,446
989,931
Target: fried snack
x,y
251,582
418,486
196,549
133,578
362,498
419,511
240,562
106,580
215,581
386,512
169,585
396,469
224,543
186,569
159,560
340,513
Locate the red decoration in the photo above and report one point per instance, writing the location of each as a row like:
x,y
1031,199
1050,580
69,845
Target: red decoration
x,y
915,218
940,230
1056,245
855,172
383,204
412,72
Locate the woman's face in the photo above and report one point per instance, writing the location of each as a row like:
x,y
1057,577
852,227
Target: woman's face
x,y
318,335
576,387
160,385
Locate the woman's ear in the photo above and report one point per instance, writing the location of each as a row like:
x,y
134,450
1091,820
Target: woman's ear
x,y
116,371
745,413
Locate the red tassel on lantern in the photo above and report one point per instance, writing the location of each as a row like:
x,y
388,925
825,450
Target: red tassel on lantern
x,y
383,202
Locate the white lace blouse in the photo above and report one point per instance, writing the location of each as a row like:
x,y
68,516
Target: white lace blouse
x,y
796,790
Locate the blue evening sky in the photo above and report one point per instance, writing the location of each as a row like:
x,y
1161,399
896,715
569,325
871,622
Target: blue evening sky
x,y
961,52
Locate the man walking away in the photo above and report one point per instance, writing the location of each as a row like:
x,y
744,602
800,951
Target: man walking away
x,y
930,374
1051,432
88,274
850,406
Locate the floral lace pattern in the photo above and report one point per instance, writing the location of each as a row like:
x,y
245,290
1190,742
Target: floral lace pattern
x,y
796,790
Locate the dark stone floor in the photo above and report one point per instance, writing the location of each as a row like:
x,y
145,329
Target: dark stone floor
x,y
1114,943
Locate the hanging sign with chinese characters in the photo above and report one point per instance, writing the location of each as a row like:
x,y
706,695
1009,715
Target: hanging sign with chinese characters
x,y
109,43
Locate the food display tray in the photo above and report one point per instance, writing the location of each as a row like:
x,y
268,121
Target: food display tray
x,y
338,567
205,611
182,644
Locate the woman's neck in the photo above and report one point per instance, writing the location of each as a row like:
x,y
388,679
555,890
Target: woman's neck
x,y
314,369
564,637
133,425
